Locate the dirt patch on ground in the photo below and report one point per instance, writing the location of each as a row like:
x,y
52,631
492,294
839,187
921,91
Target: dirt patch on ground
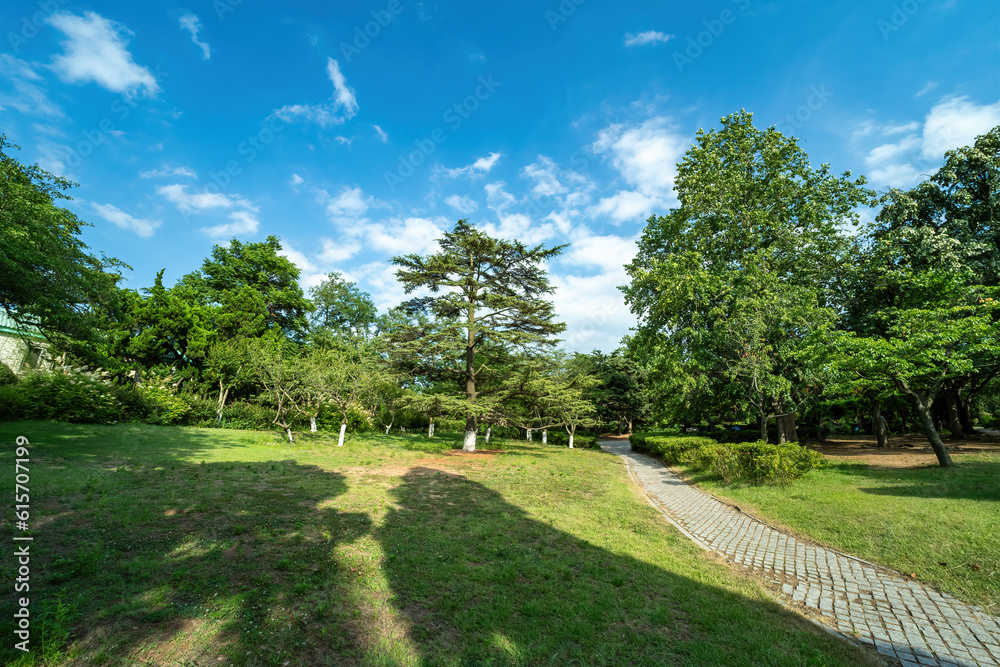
x,y
908,450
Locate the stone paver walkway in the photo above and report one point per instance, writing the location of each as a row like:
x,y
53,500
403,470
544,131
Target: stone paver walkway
x,y
898,616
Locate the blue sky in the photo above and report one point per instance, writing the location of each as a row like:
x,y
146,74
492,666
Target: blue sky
x,y
360,131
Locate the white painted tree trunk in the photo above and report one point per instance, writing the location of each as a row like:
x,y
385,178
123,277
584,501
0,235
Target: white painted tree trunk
x,y
430,430
489,429
387,430
545,437
571,441
289,430
469,442
343,428
529,435
312,424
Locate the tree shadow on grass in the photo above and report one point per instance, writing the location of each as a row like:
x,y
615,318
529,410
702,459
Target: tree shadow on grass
x,y
482,582
219,563
974,478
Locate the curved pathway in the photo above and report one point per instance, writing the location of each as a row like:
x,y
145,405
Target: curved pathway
x,y
900,617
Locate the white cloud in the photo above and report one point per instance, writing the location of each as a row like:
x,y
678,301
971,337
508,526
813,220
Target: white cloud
x,y
348,207
142,227
545,173
243,224
497,198
338,250
383,137
609,253
25,95
405,235
955,122
196,202
192,24
928,87
166,172
951,123
593,309
648,37
646,155
297,180
482,165
95,51
343,102
463,204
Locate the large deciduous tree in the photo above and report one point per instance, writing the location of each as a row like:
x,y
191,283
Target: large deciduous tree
x,y
47,276
736,278
483,292
232,271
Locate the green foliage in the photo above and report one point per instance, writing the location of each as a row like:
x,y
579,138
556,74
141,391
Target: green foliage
x,y
69,396
165,406
486,293
747,462
7,376
341,310
47,276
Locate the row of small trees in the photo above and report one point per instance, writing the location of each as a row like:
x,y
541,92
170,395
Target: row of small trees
x,y
760,295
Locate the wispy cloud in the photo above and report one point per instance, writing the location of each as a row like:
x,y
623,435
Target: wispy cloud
x,y
198,202
167,172
140,226
242,223
342,107
648,37
192,24
463,204
95,50
381,134
23,91
482,165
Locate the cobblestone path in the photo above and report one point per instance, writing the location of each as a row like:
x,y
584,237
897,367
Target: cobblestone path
x,y
898,616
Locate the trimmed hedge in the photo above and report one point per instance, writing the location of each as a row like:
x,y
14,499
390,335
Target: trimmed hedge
x,y
751,462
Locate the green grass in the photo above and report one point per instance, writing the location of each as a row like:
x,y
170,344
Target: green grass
x,y
940,524
182,546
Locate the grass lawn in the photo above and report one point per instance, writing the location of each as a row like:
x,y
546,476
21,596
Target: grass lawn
x,y
940,524
183,546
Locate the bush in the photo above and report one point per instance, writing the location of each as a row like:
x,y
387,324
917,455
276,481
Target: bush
x,y
747,435
7,376
752,462
13,405
70,396
165,406
249,416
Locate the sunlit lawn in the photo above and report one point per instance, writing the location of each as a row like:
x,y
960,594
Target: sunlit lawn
x,y
940,524
183,546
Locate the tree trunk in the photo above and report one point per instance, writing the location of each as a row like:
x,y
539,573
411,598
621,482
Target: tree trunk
x,y
222,402
791,430
469,441
289,431
763,426
430,428
965,415
489,430
343,428
528,435
312,424
545,437
572,432
954,424
927,422
878,424
779,420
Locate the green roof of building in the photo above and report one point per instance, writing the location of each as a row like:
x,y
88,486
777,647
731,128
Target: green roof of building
x,y
9,326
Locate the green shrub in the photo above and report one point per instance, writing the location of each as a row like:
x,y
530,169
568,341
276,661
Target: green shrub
x,y
69,396
133,406
752,462
13,405
200,411
166,407
7,376
249,416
